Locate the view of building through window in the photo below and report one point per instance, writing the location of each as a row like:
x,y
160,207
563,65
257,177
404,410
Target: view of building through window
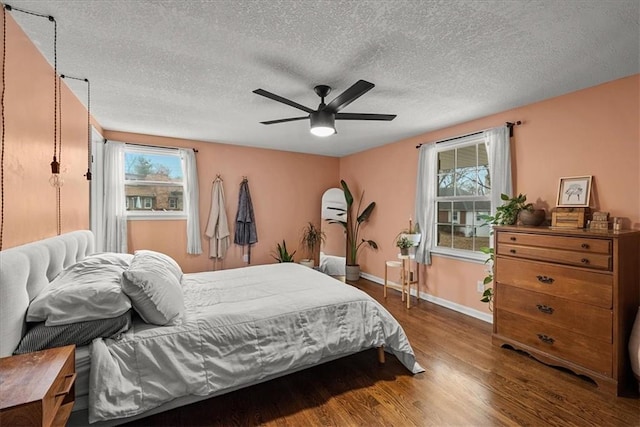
x,y
153,182
464,188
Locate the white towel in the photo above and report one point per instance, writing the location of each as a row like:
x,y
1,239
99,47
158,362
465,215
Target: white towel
x,y
218,227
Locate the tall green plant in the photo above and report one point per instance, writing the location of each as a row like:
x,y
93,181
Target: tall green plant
x,y
354,242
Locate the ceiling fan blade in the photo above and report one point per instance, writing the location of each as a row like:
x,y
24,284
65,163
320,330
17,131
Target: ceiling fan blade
x,y
292,119
283,100
365,116
348,96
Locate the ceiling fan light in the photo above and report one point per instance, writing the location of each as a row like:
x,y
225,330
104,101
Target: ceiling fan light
x,y
322,123
322,131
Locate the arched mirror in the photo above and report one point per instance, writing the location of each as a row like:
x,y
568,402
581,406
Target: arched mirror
x,y
333,250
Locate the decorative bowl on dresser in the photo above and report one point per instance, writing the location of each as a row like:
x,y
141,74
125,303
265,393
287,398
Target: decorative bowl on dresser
x,y
568,297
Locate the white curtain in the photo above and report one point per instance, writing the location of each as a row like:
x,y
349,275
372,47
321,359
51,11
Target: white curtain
x,y
496,141
115,212
425,208
97,189
192,203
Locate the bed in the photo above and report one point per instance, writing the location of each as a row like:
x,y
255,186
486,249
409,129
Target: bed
x,y
228,330
332,265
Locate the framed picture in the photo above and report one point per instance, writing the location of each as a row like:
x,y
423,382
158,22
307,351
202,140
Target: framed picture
x,y
574,191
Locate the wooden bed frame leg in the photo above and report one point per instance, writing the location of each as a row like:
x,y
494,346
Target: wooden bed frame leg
x,y
381,354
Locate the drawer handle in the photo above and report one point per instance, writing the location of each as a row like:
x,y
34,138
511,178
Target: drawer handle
x,y
545,308
585,246
584,261
513,251
69,380
546,339
545,279
512,238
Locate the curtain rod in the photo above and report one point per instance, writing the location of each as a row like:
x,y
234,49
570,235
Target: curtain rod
x,y
510,125
195,150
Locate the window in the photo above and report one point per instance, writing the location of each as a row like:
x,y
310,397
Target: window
x,y
462,197
154,182
459,180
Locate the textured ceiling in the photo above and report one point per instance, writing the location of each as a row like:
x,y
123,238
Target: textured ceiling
x,y
187,69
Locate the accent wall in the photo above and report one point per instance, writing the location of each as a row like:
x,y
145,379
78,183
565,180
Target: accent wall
x,y
30,211
595,131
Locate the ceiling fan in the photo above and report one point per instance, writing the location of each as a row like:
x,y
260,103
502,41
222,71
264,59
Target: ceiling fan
x,y
323,119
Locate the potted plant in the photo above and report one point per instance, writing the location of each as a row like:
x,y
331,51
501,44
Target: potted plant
x,y
352,226
506,214
312,239
404,243
282,254
412,233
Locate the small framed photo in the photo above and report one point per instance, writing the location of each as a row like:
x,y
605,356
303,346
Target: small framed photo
x,y
574,191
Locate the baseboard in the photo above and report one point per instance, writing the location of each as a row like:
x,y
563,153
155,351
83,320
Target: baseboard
x,y
439,301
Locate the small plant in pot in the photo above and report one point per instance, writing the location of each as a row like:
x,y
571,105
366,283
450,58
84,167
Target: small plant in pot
x,y
282,254
312,239
507,213
404,243
412,233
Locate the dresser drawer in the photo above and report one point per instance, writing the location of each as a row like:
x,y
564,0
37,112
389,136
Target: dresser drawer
x,y
597,246
559,256
586,319
580,349
587,287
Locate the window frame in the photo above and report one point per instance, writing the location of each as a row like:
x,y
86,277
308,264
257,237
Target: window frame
x,y
456,253
149,213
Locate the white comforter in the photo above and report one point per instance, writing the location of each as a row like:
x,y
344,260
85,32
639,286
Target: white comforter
x,y
241,326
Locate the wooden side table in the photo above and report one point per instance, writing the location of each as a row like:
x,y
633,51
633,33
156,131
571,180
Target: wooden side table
x,y
408,276
37,389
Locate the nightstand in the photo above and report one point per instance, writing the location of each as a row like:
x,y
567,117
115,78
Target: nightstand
x,y
37,389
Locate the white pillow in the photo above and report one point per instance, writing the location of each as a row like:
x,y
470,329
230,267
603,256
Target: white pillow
x,y
88,290
152,281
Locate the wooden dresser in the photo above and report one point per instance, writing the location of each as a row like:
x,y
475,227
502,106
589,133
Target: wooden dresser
x,y
37,389
569,298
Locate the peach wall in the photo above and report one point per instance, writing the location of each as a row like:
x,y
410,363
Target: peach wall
x,y
589,132
29,200
286,191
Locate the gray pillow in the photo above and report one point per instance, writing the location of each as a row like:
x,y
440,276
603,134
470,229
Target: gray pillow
x,y
152,282
90,289
41,337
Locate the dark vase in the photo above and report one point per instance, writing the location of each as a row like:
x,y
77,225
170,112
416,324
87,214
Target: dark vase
x,y
532,218
404,251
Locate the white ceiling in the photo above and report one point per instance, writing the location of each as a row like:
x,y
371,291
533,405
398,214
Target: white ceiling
x,y
186,69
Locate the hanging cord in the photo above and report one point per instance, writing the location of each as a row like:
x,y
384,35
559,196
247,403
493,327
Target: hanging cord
x,y
57,148
4,85
88,174
66,76
54,165
58,187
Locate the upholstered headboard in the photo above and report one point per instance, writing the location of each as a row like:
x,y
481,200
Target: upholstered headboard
x,y
25,270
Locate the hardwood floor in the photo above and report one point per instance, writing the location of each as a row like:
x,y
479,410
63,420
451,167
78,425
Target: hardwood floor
x,y
467,382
